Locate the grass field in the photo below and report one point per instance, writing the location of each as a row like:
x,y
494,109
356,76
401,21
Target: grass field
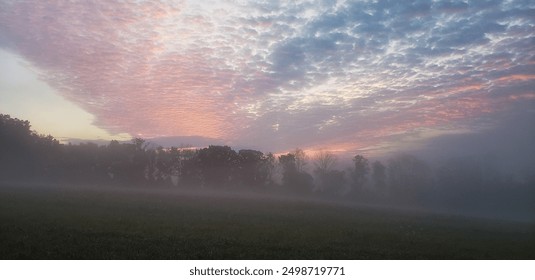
x,y
83,223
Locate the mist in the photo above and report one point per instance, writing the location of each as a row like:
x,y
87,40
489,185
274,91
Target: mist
x,y
489,173
181,202
267,130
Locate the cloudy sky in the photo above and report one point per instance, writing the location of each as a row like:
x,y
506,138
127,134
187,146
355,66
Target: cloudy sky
x,y
346,76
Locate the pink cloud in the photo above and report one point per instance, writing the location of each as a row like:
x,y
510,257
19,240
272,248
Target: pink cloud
x,y
107,57
160,69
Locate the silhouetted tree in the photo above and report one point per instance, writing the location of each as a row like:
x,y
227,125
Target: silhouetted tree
x,y
15,139
157,169
250,171
25,154
268,168
191,172
176,162
140,144
292,178
328,181
288,167
300,159
359,173
218,165
139,159
324,161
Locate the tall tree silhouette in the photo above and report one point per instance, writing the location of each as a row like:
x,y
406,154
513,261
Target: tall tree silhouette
x,y
292,178
328,180
251,169
24,153
218,165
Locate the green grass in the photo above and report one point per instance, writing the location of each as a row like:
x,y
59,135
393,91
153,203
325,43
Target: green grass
x,y
82,223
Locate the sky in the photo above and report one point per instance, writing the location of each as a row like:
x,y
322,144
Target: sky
x,y
368,77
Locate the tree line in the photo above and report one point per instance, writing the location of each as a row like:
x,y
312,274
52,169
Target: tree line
x,y
26,155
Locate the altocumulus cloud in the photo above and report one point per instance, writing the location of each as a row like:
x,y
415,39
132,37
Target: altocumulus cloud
x,y
343,75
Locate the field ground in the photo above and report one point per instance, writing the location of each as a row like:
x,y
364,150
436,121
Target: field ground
x,y
83,223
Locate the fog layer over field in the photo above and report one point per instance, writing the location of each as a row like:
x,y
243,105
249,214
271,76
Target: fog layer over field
x,y
81,222
471,180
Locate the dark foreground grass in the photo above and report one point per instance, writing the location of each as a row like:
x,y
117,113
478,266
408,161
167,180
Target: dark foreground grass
x,y
66,223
